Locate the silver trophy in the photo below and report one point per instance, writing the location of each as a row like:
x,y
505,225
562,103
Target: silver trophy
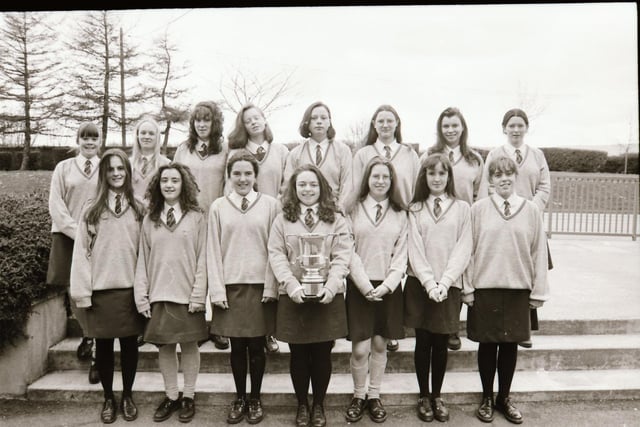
x,y
312,263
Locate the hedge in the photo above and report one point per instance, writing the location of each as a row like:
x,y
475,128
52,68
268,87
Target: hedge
x,y
615,164
25,238
571,160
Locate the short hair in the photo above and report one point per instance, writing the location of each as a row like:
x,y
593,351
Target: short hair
x,y
469,155
239,137
422,190
188,195
100,203
244,156
372,135
514,112
306,118
207,110
393,193
137,151
502,164
327,206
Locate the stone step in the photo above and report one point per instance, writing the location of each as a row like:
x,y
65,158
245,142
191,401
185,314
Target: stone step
x,y
549,353
398,389
547,327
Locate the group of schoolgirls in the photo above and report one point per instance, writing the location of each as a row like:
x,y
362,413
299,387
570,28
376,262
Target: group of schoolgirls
x,y
406,249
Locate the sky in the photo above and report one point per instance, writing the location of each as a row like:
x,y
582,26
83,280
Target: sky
x,y
572,67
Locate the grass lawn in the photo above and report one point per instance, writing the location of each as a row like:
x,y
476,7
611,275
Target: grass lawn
x,y
20,182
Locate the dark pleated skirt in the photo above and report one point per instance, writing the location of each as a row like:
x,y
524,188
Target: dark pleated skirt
x,y
366,319
60,254
247,316
499,315
171,323
112,314
422,312
310,322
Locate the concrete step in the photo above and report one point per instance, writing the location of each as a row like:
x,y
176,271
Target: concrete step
x,y
398,389
549,353
547,327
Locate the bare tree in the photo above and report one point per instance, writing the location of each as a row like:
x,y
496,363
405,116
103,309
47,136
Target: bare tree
x,y
267,92
529,101
168,76
28,78
357,133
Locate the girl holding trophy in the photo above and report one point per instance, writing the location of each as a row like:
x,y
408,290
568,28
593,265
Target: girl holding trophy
x,y
310,239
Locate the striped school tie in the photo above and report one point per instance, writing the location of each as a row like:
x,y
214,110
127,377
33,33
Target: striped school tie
x,y
378,212
387,152
145,166
245,204
203,150
118,203
507,208
260,154
87,167
518,156
437,209
308,218
318,155
451,156
171,220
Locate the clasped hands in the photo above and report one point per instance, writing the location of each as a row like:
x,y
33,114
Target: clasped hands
x,y
439,293
224,305
376,294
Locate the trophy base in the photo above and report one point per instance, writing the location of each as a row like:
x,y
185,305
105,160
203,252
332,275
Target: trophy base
x,y
311,298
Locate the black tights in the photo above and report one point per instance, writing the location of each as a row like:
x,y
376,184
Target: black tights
x,y
255,348
506,355
430,350
311,362
128,363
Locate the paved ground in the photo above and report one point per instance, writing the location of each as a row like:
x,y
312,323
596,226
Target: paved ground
x,y
565,414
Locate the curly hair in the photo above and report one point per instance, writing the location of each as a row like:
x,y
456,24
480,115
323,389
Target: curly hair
x,y
393,193
100,203
469,155
306,118
207,110
327,206
188,195
239,137
422,190
372,135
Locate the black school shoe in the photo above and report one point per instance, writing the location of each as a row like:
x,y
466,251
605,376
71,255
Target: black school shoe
x,y
508,409
84,349
94,375
485,410
187,410
108,413
166,408
377,413
355,411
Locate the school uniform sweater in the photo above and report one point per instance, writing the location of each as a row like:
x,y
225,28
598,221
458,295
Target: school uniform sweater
x,y
439,249
209,172
69,191
508,253
104,255
237,245
271,170
466,177
172,263
336,166
284,251
140,181
533,181
380,250
405,162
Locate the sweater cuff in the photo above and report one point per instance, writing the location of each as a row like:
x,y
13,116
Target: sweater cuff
x,y
270,293
536,303
446,281
333,284
430,285
467,298
83,302
144,307
291,286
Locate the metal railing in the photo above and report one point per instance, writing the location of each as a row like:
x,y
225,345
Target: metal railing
x,y
593,204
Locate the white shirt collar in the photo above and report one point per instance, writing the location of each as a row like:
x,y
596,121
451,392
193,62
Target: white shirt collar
x,y
514,201
380,146
370,204
455,150
511,150
314,208
111,196
237,199
81,160
253,147
177,211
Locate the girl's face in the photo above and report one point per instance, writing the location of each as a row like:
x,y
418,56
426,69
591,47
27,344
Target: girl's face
x,y
385,124
379,182
171,185
242,177
503,183
452,129
203,128
89,146
437,178
254,122
116,174
319,123
515,130
308,188
147,138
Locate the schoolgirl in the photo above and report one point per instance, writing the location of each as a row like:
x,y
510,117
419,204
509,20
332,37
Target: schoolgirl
x,y
310,327
374,296
171,282
102,276
439,252
238,230
333,158
508,276
146,158
73,182
453,132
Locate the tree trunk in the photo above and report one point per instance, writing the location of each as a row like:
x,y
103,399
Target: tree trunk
x,y
123,125
167,128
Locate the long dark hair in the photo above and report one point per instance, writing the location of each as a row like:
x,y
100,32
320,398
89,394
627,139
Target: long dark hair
x,y
422,191
327,207
100,203
306,118
239,137
207,110
372,135
469,155
188,194
393,193
244,156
